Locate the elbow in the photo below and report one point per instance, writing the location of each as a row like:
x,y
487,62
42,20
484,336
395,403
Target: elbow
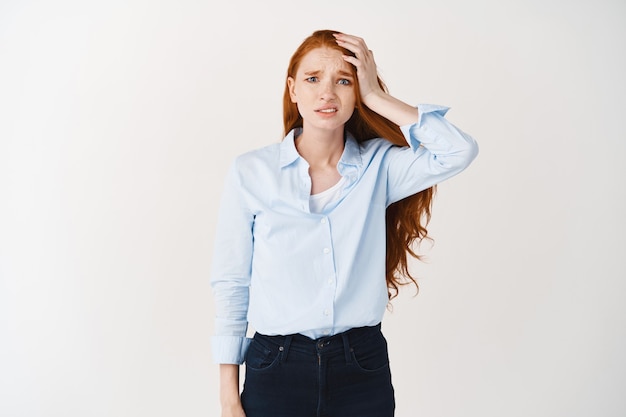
x,y
471,152
468,151
462,157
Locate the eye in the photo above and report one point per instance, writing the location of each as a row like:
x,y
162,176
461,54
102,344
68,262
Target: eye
x,y
344,81
311,79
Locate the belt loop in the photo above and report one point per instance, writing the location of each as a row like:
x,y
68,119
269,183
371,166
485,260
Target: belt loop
x,y
346,347
285,348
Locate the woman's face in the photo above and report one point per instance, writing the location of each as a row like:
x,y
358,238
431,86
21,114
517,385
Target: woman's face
x,y
323,89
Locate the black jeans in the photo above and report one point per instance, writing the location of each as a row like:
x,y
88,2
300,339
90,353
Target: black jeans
x,y
345,375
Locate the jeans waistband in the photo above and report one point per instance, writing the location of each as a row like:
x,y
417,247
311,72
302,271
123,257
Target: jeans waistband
x,y
329,345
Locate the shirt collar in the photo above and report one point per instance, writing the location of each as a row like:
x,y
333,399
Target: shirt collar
x,y
351,152
288,153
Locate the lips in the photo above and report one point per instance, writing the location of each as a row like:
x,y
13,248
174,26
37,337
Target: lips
x,y
327,110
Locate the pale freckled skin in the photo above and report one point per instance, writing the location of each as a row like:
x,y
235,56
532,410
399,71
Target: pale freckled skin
x,y
324,90
333,86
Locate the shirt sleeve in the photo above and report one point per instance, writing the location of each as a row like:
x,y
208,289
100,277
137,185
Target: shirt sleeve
x,y
437,150
230,274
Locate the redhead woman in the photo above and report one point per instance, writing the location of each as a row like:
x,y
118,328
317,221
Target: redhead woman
x,y
314,236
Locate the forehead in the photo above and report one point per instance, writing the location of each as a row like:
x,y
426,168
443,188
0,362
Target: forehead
x,y
324,59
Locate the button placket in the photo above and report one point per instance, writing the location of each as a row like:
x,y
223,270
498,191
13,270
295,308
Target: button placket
x,y
326,310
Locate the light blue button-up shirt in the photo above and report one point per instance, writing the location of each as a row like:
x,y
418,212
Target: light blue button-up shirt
x,y
284,269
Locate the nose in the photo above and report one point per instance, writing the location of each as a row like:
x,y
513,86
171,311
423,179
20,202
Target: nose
x,y
328,91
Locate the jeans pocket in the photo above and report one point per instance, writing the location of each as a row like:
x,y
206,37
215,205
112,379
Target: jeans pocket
x,y
260,357
371,356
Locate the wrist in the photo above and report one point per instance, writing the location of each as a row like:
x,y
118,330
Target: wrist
x,y
370,99
230,399
229,394
230,402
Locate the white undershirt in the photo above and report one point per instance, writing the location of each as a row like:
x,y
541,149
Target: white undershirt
x,y
317,202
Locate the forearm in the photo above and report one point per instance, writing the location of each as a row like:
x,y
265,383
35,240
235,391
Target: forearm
x,y
229,385
391,108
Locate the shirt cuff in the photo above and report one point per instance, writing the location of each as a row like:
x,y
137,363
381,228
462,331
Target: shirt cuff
x,y
229,349
413,130
430,108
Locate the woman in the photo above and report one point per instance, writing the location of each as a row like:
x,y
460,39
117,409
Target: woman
x,y
313,237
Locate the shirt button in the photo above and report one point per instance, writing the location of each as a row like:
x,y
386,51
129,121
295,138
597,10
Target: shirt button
x,y
326,332
326,250
330,280
323,221
326,312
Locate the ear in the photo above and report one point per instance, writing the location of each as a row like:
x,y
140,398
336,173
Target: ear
x,y
291,84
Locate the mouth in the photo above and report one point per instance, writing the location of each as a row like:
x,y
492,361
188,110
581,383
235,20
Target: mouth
x,y
327,110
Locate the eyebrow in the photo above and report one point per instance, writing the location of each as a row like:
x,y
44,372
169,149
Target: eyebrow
x,y
317,72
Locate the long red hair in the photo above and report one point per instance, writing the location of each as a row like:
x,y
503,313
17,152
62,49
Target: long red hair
x,y
406,219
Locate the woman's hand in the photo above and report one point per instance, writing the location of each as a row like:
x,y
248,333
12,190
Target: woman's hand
x,y
372,95
364,63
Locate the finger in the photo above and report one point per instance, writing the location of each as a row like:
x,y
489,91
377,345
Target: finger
x,y
358,50
351,39
360,53
354,44
352,60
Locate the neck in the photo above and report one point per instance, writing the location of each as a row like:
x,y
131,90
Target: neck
x,y
321,149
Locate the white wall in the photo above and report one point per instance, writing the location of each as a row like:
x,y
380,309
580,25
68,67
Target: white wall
x,y
117,122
